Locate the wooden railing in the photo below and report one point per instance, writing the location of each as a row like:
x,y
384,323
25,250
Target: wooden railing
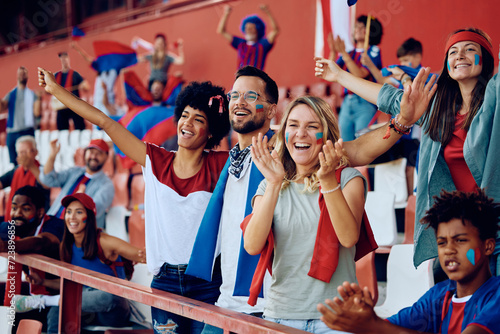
x,y
74,277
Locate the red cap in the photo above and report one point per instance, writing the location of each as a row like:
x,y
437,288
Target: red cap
x,y
99,144
83,198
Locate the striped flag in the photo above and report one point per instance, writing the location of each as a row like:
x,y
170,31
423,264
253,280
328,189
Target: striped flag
x,y
333,16
112,55
152,124
138,95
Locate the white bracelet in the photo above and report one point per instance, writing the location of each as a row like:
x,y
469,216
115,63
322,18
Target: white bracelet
x,y
331,190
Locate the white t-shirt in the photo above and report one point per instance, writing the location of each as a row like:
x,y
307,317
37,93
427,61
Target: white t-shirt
x,y
233,213
174,207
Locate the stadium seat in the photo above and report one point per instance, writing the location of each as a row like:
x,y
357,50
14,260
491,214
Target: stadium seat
x,y
367,275
319,89
29,326
405,284
409,220
297,91
391,176
379,208
115,222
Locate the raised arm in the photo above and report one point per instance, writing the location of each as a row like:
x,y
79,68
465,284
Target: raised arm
x,y
353,68
416,98
178,59
221,27
82,52
275,30
54,150
345,206
37,104
124,139
330,71
377,74
260,224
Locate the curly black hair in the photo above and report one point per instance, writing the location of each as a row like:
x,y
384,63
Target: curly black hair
x,y
34,193
474,207
197,95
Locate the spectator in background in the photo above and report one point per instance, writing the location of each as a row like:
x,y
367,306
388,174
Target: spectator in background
x,y
73,82
36,233
254,48
25,174
355,113
84,245
89,179
104,83
160,59
23,106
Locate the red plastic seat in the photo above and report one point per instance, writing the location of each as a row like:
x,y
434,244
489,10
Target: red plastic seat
x,y
366,274
29,326
297,91
319,89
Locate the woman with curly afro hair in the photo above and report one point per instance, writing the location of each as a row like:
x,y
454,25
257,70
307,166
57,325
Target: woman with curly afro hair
x,y
178,187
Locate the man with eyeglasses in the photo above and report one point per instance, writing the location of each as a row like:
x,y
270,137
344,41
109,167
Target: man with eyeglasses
x,y
252,105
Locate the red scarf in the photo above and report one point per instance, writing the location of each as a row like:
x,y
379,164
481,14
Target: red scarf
x,y
20,179
326,249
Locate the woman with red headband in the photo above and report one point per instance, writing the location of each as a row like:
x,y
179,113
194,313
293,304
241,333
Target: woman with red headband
x,y
460,142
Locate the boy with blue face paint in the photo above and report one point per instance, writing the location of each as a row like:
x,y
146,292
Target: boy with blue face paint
x,y
465,224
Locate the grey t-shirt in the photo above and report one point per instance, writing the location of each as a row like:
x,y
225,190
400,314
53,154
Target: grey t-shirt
x,y
293,294
160,73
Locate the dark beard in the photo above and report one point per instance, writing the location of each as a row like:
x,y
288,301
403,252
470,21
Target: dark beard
x,y
247,127
23,82
94,168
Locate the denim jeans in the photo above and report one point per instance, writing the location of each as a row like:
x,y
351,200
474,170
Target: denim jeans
x,y
312,325
355,114
98,307
173,279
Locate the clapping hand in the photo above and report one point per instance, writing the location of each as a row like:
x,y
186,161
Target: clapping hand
x,y
268,164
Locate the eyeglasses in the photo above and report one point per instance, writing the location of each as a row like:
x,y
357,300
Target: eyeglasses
x,y
249,96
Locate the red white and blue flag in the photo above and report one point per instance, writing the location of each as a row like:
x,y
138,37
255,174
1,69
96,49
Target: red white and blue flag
x,y
137,93
337,17
154,125
112,55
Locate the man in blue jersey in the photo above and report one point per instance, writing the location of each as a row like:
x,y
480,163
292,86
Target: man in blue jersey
x,y
253,49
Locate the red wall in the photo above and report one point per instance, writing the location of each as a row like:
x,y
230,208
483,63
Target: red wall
x,y
209,57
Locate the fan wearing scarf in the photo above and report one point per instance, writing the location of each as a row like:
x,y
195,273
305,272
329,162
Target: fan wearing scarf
x,y
313,205
178,188
459,146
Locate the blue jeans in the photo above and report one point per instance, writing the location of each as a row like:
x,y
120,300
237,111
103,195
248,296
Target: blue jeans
x,y
355,114
173,279
312,325
98,307
11,142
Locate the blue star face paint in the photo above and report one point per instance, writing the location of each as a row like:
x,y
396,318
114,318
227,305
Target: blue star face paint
x,y
478,60
319,138
286,137
471,256
259,108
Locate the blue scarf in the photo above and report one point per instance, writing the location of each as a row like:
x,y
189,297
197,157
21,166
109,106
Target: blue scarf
x,y
204,250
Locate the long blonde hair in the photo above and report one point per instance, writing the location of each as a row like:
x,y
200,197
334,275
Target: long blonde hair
x,y
330,132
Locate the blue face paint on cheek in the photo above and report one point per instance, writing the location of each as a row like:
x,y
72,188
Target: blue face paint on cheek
x,y
286,137
448,63
259,108
477,60
471,256
319,137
